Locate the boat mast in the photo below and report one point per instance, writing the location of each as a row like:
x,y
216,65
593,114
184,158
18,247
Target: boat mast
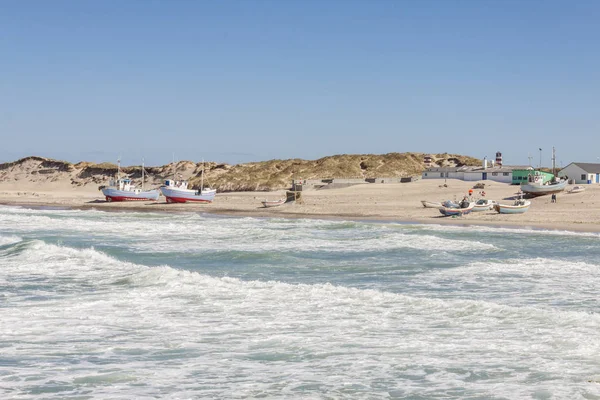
x,y
202,178
554,162
142,174
174,169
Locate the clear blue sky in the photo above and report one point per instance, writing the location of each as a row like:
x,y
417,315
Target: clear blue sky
x,y
238,81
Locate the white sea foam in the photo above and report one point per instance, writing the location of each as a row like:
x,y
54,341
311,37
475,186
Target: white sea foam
x,y
193,233
502,230
177,322
78,322
549,283
11,239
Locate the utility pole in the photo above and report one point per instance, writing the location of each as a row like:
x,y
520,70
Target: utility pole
x,y
530,158
540,166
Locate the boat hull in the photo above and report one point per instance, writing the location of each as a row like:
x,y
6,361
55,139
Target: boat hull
x,y
275,203
112,194
449,211
431,204
489,205
187,195
541,190
507,209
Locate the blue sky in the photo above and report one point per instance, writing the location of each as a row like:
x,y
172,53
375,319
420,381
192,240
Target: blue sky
x,y
239,81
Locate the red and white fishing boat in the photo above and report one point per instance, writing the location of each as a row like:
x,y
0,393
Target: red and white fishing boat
x,y
178,192
123,189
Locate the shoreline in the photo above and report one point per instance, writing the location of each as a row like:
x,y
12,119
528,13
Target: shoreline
x,y
262,212
392,202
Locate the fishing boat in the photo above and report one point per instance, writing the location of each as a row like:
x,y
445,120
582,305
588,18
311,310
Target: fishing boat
x,y
518,207
484,205
450,204
431,204
123,189
465,207
577,189
176,191
536,186
273,203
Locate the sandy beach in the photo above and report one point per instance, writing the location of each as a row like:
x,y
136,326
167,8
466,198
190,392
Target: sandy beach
x,y
390,202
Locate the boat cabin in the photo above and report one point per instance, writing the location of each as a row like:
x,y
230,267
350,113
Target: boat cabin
x,y
176,184
539,178
124,184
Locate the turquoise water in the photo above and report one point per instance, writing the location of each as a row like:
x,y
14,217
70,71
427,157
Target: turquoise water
x,y
97,305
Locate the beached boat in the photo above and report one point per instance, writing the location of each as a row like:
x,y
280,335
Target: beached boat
x,y
450,204
123,189
535,185
518,207
484,205
577,189
431,204
463,209
273,203
178,192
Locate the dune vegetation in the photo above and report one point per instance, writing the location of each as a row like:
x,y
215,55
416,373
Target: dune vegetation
x,y
254,176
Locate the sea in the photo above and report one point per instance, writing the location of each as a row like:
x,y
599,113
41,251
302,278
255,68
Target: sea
x,y
150,305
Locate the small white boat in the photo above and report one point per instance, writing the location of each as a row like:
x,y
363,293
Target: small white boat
x,y
273,203
431,204
123,189
577,189
484,205
518,207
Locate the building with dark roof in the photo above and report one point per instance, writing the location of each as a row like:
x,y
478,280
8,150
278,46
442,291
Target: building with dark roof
x,y
578,172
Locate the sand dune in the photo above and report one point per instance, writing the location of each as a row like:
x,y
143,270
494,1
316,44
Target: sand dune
x,y
255,176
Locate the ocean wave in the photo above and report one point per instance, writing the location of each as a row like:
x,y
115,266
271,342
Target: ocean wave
x,y
57,267
160,326
240,234
560,284
38,257
11,239
499,230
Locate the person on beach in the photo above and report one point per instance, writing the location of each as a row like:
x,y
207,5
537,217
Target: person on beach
x,y
553,198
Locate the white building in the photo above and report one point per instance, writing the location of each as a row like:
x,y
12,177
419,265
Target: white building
x,y
498,173
581,172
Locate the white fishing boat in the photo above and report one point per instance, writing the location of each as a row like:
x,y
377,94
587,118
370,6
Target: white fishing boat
x,y
273,203
536,186
431,204
178,192
123,189
484,205
518,207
